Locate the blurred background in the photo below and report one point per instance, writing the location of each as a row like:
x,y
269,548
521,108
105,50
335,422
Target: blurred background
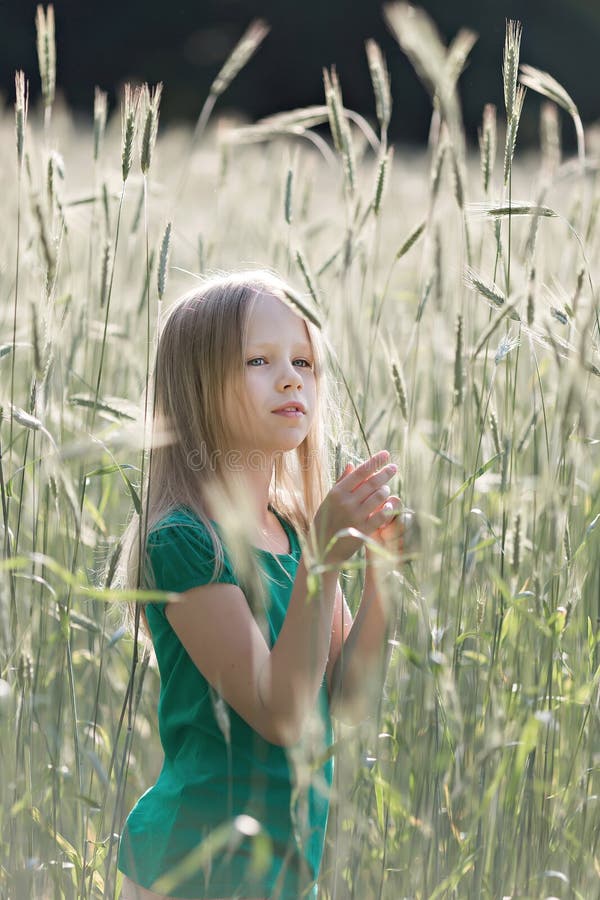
x,y
183,43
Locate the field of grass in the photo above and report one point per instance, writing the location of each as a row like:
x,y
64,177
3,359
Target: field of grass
x,y
457,291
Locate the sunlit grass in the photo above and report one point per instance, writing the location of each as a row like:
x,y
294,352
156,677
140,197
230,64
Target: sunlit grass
x,y
480,772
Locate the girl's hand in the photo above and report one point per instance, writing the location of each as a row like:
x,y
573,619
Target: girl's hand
x,y
357,501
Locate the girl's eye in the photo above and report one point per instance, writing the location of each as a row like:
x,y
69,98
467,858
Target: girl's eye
x,y
256,361
304,363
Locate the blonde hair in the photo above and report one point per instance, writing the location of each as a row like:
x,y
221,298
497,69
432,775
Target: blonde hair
x,y
200,356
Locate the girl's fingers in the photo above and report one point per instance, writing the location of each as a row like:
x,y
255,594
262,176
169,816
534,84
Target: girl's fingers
x,y
384,514
375,482
369,467
376,502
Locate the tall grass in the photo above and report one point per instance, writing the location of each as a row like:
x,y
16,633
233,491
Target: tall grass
x,y
459,300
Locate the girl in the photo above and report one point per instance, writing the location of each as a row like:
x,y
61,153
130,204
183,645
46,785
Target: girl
x,y
249,648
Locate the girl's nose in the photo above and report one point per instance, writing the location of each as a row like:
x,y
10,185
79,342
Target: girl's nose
x,y
290,377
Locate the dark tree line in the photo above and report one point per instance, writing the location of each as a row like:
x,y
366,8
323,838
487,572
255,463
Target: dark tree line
x,y
184,42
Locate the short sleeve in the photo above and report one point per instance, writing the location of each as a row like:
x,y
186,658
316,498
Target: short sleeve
x,y
182,556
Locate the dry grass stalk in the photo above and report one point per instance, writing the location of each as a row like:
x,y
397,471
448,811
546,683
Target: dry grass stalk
x,y
381,85
46,51
163,260
21,108
487,145
242,52
400,387
549,87
100,113
151,102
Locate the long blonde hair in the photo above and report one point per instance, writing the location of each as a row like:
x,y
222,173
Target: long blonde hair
x,y
200,355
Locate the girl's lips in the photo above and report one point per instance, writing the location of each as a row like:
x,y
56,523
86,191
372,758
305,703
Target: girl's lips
x,y
289,413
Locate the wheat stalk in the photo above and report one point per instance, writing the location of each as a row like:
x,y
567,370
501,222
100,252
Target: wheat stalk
x,y
380,80
458,363
100,113
46,51
487,145
382,179
151,102
128,128
340,129
549,87
163,260
511,132
240,55
21,108
400,387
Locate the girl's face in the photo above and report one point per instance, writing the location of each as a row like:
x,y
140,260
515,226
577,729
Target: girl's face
x,y
276,406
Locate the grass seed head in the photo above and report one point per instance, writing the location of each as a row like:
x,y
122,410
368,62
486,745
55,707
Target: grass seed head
x,y
550,138
510,68
400,387
287,204
307,275
21,108
129,115
105,273
151,102
487,289
516,540
241,54
436,169
382,178
458,363
100,113
549,87
46,51
487,144
531,297
511,132
495,431
381,84
340,130
163,260
458,179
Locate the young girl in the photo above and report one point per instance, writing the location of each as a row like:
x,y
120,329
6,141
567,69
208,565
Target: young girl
x,y
255,646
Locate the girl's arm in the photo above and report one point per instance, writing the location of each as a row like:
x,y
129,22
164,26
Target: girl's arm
x,y
359,651
275,689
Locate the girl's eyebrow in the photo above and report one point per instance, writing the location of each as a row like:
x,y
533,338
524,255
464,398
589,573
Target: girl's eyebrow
x,y
268,345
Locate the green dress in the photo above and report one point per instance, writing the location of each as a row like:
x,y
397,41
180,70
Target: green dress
x,y
238,816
